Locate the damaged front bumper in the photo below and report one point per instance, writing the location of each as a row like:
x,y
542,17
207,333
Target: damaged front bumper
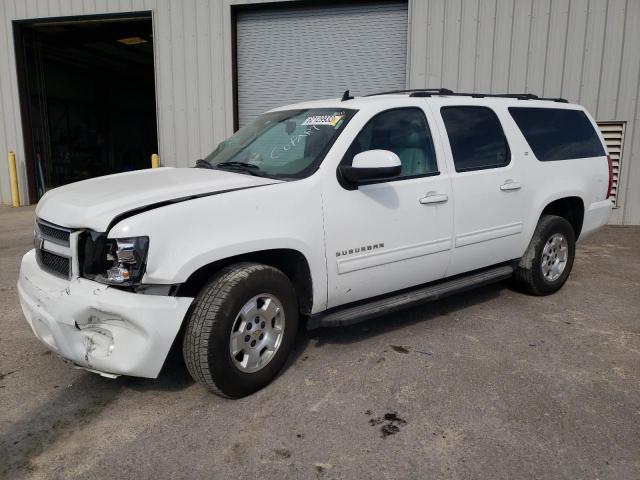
x,y
97,327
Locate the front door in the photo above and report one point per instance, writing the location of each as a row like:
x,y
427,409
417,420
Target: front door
x,y
394,234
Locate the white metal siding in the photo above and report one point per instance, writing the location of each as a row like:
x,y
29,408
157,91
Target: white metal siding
x,y
613,133
288,55
582,50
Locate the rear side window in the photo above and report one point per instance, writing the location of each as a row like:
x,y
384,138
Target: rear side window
x,y
476,138
557,134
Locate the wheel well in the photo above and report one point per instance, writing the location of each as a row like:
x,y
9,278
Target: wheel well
x,y
290,262
570,208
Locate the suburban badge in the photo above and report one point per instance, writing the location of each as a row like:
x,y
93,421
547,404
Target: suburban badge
x,y
366,248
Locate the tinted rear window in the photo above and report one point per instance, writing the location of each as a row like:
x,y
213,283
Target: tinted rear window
x,y
557,134
476,138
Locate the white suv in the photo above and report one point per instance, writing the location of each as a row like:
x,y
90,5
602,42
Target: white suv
x,y
334,211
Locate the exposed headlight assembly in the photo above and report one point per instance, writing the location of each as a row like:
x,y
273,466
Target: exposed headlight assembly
x,y
129,257
120,261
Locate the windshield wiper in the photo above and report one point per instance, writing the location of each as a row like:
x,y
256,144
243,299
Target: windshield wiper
x,y
237,164
244,167
200,163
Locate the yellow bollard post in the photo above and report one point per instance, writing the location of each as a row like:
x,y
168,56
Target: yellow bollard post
x,y
155,161
13,178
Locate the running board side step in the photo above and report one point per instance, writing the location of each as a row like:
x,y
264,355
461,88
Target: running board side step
x,y
361,312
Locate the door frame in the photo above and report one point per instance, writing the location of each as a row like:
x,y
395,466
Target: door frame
x,y
19,27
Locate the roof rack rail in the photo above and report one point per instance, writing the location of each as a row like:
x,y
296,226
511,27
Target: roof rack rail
x,y
518,96
429,92
435,91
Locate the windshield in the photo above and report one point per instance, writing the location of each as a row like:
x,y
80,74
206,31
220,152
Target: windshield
x,y
289,143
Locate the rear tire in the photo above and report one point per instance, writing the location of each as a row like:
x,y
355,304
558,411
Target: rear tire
x,y
241,329
547,263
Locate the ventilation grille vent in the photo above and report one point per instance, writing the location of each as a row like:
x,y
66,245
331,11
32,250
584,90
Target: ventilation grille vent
x,y
613,133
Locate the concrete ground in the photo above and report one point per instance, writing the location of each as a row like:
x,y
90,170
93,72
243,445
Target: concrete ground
x,y
489,384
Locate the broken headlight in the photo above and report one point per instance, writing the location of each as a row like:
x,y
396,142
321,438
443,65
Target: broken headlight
x,y
129,257
120,261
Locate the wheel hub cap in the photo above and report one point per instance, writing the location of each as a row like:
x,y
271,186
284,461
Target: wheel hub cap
x,y
257,333
554,257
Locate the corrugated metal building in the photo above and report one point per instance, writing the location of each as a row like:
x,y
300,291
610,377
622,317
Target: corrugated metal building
x,y
216,63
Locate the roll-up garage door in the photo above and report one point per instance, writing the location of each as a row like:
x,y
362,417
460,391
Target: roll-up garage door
x,y
292,54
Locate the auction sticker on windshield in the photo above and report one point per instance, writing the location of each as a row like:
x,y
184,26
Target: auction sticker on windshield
x,y
324,119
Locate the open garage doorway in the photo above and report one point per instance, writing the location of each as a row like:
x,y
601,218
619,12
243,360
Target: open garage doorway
x,y
87,92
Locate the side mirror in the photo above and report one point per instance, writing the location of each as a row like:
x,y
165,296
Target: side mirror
x,y
370,166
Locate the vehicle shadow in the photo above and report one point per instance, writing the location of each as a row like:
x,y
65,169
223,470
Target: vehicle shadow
x,y
173,377
68,409
392,321
73,406
300,346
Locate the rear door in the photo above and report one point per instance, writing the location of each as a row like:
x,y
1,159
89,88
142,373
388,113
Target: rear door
x,y
488,184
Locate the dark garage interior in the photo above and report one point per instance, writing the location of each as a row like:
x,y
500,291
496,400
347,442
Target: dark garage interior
x,y
88,97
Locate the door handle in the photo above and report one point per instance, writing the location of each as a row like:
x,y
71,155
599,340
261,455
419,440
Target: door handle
x,y
433,198
510,185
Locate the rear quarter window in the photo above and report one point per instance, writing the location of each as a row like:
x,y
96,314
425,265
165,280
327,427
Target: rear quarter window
x,y
557,134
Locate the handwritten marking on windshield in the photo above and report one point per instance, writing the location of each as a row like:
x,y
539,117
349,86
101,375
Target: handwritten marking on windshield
x,y
293,141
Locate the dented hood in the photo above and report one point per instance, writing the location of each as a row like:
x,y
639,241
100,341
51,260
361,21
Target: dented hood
x,y
95,203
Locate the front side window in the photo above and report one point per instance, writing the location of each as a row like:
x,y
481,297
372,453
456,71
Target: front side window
x,y
557,134
476,138
403,131
288,144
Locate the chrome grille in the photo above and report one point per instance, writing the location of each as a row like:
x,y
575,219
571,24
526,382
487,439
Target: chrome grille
x,y
54,233
53,263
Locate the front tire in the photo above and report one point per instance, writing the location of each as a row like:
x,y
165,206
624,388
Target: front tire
x,y
547,263
241,329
